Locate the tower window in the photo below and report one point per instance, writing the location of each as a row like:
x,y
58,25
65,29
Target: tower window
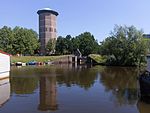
x,y
51,29
55,30
45,29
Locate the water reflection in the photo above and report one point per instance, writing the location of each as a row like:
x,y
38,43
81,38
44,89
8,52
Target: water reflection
x,y
144,105
84,78
48,94
4,91
65,75
71,89
122,82
23,85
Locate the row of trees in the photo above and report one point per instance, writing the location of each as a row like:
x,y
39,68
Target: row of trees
x,y
25,41
124,46
85,42
18,40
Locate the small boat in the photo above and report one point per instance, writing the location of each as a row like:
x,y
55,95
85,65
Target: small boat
x,y
18,63
32,63
23,64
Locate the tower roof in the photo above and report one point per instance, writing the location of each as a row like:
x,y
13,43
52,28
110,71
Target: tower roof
x,y
47,10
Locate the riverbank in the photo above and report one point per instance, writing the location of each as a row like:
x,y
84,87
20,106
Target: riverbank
x,y
97,59
25,59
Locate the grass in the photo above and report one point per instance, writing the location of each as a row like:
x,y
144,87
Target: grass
x,y
98,58
26,59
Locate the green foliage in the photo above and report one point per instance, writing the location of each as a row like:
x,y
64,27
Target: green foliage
x,y
61,45
50,47
147,42
18,41
25,41
26,59
98,58
6,39
85,42
64,45
124,47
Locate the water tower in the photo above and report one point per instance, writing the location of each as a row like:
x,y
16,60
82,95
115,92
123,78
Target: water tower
x,y
47,27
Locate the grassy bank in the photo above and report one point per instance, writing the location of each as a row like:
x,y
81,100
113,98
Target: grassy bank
x,y
98,58
25,59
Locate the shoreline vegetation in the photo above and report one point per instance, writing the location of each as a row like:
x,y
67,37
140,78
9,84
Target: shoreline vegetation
x,y
125,46
94,59
25,59
98,59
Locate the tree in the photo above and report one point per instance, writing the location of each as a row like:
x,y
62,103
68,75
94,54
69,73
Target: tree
x,y
69,43
6,39
61,45
124,47
26,41
50,47
87,44
18,41
64,45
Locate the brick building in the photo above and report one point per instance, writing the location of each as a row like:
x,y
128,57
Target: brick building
x,y
47,27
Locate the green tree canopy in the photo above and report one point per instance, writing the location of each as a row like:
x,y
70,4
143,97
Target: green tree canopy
x,y
25,40
64,45
50,47
125,46
85,42
6,39
18,40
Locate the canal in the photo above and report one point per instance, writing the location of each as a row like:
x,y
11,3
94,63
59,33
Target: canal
x,y
71,89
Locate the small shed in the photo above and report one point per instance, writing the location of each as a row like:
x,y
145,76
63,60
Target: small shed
x,y
4,65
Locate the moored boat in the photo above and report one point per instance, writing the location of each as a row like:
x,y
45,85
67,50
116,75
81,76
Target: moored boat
x,y
32,63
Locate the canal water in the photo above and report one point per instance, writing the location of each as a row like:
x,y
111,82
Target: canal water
x,y
72,89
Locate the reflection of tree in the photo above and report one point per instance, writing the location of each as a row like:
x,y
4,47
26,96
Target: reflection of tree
x,y
84,78
66,74
23,85
122,82
143,104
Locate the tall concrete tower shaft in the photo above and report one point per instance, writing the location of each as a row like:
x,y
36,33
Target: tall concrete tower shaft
x,y
47,27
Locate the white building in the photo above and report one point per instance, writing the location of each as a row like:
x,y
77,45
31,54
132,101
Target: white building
x,y
4,91
4,65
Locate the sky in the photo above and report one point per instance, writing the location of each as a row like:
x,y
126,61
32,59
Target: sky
x,y
77,16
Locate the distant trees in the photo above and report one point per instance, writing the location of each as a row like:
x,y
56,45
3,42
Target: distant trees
x,y
85,42
124,47
64,45
6,39
18,40
25,42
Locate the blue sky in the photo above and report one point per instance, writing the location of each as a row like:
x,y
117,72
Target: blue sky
x,y
78,16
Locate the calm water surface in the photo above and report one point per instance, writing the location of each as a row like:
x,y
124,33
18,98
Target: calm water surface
x,y
66,89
